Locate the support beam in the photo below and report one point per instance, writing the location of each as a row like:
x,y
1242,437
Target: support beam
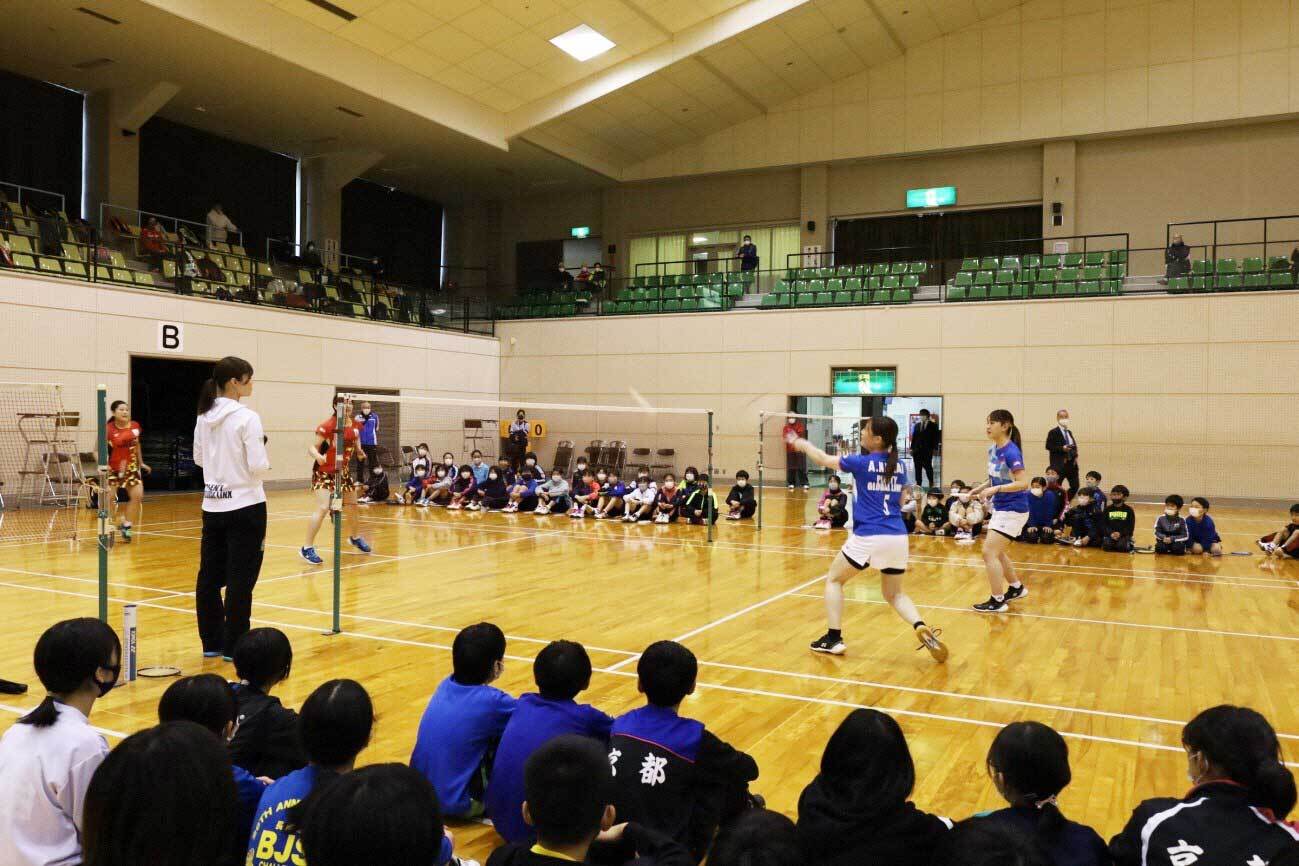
x,y
133,106
112,144
323,179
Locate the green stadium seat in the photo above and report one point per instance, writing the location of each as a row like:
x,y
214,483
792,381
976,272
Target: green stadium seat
x,y
890,283
1117,257
1200,267
883,296
805,299
771,299
835,285
1116,271
1068,274
1089,287
734,290
917,268
873,283
640,306
999,292
1028,275
978,292
989,263
1073,260
1010,263
957,293
1252,265
1093,272
1094,259
1278,263
1228,283
970,265
1111,287
1032,261
1019,290
1051,260
689,305
983,278
1280,280
1005,278
1256,281
1179,285
902,296
852,284
842,297
911,281
1201,284
1226,266
843,271
879,269
1065,287
672,306
824,273
897,269
963,280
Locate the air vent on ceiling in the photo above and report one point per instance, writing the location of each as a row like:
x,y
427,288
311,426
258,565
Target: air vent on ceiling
x,y
349,112
97,63
332,9
101,16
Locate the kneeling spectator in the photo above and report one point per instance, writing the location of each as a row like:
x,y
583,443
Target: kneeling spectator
x,y
1203,533
1284,544
1170,528
1120,521
1042,510
832,510
740,502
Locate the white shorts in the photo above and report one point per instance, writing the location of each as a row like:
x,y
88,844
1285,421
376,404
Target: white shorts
x,y
876,551
1008,523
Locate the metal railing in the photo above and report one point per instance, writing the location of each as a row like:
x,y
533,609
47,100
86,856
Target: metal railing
x,y
33,200
175,229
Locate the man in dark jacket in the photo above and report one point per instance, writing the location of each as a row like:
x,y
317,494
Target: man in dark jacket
x,y
1063,448
925,437
1177,259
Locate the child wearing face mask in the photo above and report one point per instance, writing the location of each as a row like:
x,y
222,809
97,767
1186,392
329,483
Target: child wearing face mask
x,y
523,495
376,488
954,495
1170,529
1201,529
612,491
576,482
437,487
420,460
740,502
1120,521
688,481
1043,513
413,490
449,461
966,515
586,494
668,504
832,510
552,495
701,504
932,517
1062,496
463,488
1098,497
1083,521
910,505
479,466
492,494
639,501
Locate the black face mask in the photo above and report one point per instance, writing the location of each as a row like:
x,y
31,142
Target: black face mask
x,y
105,688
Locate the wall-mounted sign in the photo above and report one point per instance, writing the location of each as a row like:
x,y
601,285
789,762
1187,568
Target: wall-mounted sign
x,y
580,231
937,196
171,337
863,380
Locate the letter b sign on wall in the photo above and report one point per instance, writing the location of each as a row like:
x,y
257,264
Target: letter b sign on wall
x,y
171,337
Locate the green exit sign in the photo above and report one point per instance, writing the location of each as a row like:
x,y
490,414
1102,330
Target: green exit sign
x,y
936,196
580,231
864,380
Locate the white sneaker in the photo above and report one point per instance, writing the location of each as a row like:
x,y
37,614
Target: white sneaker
x,y
734,515
541,509
576,512
454,506
1266,546
962,535
599,515
791,487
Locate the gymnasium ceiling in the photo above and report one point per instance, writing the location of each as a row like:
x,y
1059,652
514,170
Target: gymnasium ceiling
x,y
467,99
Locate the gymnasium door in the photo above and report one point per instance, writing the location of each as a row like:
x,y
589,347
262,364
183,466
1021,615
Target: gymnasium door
x,y
164,397
841,435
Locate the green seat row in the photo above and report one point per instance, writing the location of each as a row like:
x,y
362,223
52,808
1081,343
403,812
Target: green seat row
x,y
739,278
841,298
1232,282
670,305
880,269
1250,265
1050,260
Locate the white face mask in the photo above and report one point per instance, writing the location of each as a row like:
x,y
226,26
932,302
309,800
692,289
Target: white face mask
x,y
478,461
1063,422
956,491
690,476
1171,512
448,461
964,497
833,485
643,485
791,421
465,476
493,476
601,476
556,479
741,482
1196,512
531,462
1036,491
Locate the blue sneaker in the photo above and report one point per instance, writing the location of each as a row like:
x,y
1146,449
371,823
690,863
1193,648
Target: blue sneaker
x,y
359,544
211,655
310,555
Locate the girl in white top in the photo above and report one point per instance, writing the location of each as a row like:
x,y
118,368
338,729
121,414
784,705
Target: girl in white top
x,y
230,447
49,756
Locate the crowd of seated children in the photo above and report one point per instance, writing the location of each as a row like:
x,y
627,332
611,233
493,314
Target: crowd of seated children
x,y
463,489
832,510
668,506
1120,522
740,502
1171,533
965,517
552,495
1043,513
1202,532
1084,520
638,503
1284,543
699,503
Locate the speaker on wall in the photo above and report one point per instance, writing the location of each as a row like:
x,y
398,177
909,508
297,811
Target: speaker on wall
x,y
811,225
1057,208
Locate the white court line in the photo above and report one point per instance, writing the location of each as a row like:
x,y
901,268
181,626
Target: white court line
x,y
1088,621
20,711
92,580
390,560
613,670
725,619
174,534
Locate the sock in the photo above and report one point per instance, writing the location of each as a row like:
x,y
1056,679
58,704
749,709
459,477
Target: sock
x,y
1017,584
834,634
918,623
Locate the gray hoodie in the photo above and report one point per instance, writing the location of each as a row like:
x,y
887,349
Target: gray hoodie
x,y
230,446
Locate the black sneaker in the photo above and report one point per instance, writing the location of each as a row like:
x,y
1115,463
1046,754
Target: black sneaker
x,y
827,644
992,606
1014,592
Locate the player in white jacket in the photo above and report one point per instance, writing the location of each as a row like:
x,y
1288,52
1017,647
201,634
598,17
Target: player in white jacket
x,y
230,446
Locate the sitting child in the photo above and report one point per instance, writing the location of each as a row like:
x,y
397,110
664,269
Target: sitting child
x,y
492,494
1042,513
832,510
740,503
688,479
912,502
464,721
1284,543
1120,522
586,494
463,489
700,506
611,493
932,517
639,501
578,474
700,781
966,515
1098,498
1083,521
1202,532
437,487
668,504
376,488
955,496
479,467
1170,529
523,493
1062,496
413,490
552,495
420,460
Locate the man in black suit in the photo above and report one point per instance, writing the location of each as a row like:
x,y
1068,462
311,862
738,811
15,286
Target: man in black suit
x,y
1063,448
924,442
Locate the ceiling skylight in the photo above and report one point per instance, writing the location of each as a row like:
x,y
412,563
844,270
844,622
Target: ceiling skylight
x,y
582,43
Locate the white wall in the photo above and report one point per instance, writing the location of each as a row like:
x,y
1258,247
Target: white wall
x,y
80,334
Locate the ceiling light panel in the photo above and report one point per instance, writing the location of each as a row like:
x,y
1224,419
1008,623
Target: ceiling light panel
x,y
582,43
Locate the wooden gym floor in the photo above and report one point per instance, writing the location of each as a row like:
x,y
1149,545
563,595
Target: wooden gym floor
x,y
1116,652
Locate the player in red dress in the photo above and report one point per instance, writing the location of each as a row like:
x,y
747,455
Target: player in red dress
x,y
323,469
125,463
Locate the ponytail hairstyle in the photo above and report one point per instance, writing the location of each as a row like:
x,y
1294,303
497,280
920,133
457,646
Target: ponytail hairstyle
x,y
1241,744
887,429
1003,416
226,369
67,655
1033,761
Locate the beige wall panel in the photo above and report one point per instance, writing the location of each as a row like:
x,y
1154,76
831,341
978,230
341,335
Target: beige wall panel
x,y
991,372
1161,321
901,327
1057,324
1157,369
755,372
983,325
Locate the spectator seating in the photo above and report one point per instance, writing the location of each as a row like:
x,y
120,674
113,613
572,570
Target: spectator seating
x,y
847,285
1232,275
1054,275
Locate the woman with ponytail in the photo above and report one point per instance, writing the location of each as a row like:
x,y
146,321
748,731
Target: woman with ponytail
x,y
1029,764
1234,813
49,756
879,535
230,447
1007,487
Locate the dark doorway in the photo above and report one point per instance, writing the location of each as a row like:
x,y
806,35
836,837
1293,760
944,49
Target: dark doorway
x,y
164,394
536,263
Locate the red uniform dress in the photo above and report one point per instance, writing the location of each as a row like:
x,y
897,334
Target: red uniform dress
x,y
123,465
322,474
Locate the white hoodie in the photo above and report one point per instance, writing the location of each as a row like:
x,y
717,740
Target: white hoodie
x,y
228,444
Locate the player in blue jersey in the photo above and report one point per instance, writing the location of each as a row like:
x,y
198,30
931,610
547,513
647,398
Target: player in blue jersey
x,y
1007,487
879,536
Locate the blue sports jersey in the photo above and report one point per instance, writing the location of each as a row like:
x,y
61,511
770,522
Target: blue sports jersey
x,y
877,503
1002,462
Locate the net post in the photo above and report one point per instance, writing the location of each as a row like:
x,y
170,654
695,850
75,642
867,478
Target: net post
x,y
762,424
336,512
708,500
105,536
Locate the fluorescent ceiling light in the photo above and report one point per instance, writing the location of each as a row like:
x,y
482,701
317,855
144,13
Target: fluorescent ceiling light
x,y
582,42
699,239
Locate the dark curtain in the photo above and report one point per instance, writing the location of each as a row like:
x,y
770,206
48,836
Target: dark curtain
x,y
939,237
40,139
184,171
404,231
536,263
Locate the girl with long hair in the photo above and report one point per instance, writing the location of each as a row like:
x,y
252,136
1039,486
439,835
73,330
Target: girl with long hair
x,y
125,463
879,535
323,453
1007,488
